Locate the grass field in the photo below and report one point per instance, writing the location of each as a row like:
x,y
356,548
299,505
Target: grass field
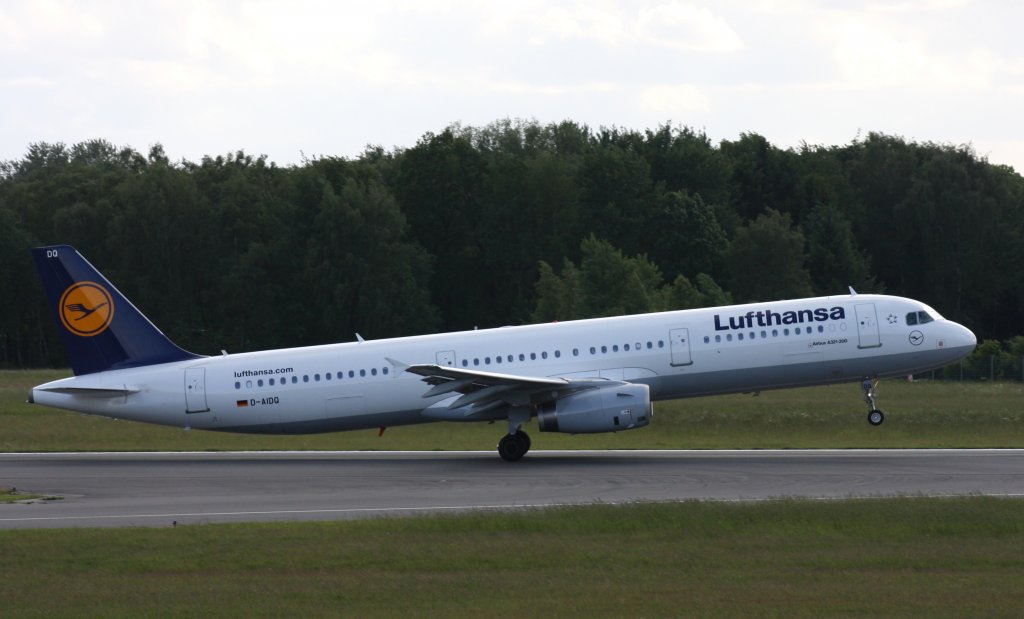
x,y
866,558
910,557
920,414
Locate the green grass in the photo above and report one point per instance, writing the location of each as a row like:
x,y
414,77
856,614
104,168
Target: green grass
x,y
10,495
921,414
879,558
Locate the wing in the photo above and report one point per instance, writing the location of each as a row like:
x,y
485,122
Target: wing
x,y
475,393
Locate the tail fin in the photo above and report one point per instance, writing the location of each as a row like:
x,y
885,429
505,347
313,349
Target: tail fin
x,y
101,329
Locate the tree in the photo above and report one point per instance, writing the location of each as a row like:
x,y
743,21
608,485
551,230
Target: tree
x,y
686,238
766,260
833,260
439,186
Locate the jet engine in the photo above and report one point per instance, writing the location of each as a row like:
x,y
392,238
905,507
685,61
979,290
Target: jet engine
x,y
621,406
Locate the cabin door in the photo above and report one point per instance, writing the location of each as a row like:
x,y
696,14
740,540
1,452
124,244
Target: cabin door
x,y
195,390
867,326
680,343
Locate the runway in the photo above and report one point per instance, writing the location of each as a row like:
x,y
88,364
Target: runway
x,y
159,489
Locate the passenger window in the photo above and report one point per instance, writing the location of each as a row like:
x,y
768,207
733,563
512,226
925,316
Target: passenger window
x,y
575,352
533,356
775,333
384,371
373,371
510,358
305,378
544,355
316,377
785,332
728,337
238,385
295,379
718,338
650,345
626,347
271,382
362,372
604,350
522,357
476,361
487,360
593,350
707,339
351,373
739,336
259,383
821,329
661,343
248,384
764,335
497,359
465,363
558,354
797,330
615,348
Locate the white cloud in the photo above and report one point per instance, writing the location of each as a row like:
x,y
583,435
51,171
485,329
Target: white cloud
x,y
674,101
330,76
688,27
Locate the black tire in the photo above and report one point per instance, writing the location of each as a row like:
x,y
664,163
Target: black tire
x,y
876,417
523,436
512,448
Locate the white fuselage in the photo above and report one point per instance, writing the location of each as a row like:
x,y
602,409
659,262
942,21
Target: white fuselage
x,y
677,354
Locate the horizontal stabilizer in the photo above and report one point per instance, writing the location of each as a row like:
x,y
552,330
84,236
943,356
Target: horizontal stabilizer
x,y
91,392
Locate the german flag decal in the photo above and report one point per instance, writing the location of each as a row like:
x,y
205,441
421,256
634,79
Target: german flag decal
x,y
241,403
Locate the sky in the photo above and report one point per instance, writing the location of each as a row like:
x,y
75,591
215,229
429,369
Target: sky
x,y
295,80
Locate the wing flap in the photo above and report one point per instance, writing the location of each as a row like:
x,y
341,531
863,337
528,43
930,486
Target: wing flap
x,y
486,391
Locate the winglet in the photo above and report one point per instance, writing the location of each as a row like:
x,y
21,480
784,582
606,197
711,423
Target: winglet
x,y
853,292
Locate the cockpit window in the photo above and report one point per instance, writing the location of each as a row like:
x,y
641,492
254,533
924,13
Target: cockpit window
x,y
919,318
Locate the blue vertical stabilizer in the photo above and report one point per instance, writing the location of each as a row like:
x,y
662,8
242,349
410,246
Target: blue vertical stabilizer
x,y
101,329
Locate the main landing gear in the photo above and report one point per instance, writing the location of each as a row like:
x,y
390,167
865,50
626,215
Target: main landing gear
x,y
875,416
512,447
516,443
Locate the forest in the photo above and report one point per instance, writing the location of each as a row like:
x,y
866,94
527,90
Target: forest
x,y
507,224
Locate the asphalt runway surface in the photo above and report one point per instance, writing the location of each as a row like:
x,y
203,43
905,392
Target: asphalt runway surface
x,y
160,489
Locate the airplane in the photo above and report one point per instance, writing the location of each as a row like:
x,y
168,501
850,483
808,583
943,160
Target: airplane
x,y
578,377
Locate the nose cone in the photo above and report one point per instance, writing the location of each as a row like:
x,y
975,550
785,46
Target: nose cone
x,y
968,338
961,340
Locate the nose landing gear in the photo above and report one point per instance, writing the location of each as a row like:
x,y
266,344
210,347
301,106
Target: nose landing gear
x,y
875,416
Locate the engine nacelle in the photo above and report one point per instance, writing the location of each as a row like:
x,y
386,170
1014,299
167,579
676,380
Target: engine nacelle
x,y
608,409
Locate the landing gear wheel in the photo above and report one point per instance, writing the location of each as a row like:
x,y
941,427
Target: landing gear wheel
x,y
875,416
512,447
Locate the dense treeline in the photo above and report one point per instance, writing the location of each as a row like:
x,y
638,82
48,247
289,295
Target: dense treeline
x,y
506,224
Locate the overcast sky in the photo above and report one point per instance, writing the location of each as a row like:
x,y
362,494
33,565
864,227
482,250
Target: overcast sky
x,y
328,78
